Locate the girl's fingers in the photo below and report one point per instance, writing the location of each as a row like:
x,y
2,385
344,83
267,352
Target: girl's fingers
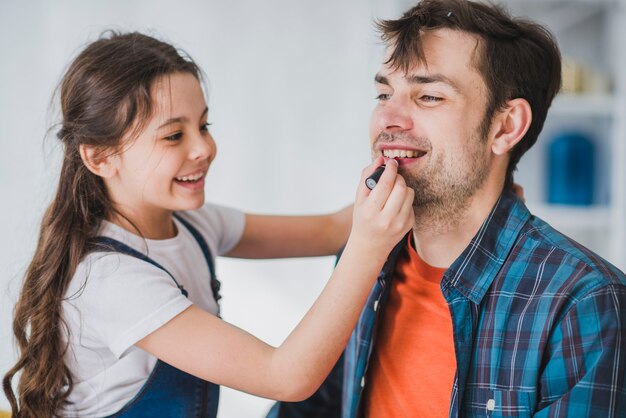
x,y
380,194
398,198
383,214
399,207
363,191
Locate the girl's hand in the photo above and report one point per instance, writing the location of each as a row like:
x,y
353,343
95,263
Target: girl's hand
x,y
383,215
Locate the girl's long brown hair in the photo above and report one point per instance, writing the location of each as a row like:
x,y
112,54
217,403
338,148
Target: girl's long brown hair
x,y
105,96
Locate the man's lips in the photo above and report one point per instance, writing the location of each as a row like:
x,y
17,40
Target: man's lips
x,y
398,153
403,156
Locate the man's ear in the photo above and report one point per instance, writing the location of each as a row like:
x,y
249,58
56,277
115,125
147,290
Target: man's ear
x,y
512,123
98,161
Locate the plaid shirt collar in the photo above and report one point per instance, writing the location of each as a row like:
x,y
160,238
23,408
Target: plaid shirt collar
x,y
475,269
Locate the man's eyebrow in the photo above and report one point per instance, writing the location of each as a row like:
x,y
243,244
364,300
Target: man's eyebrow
x,y
433,78
421,79
182,119
381,79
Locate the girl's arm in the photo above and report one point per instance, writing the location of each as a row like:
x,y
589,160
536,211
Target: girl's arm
x,y
267,236
207,347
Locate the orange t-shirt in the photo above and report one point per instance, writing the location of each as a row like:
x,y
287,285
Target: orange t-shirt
x,y
412,368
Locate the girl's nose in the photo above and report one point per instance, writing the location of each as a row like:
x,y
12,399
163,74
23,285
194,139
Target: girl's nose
x,y
203,147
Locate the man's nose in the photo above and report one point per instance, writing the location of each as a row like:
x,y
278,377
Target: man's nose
x,y
394,116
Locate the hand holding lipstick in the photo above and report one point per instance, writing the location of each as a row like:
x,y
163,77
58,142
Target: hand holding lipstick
x,y
383,214
372,180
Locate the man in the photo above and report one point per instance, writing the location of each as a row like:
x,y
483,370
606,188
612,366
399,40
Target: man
x,y
484,309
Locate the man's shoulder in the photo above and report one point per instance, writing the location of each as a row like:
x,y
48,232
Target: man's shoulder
x,y
571,265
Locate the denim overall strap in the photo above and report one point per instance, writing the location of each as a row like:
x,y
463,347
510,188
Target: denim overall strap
x,y
168,391
215,284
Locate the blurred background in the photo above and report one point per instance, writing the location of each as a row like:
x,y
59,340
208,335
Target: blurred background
x,y
290,92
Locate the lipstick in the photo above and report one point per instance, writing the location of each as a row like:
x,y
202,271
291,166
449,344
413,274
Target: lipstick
x,y
371,181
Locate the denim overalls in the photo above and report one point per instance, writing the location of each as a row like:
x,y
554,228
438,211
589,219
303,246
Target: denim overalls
x,y
169,392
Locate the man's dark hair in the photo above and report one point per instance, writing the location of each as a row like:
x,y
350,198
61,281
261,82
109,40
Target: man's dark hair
x,y
518,58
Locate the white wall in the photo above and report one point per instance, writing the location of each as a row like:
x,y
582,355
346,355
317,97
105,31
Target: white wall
x,y
290,94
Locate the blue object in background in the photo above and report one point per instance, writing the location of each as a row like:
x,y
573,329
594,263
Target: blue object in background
x,y
571,168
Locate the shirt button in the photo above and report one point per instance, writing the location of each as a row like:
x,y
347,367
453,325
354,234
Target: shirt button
x,y
491,404
363,382
376,305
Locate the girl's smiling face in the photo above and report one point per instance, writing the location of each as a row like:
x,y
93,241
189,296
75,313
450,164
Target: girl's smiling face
x,y
163,168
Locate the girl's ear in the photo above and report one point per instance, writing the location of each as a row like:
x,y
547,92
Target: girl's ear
x,y
512,123
98,161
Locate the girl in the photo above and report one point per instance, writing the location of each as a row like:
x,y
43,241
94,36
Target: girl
x,y
118,313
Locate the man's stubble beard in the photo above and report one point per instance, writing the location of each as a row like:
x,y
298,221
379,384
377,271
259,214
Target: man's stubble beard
x,y
444,190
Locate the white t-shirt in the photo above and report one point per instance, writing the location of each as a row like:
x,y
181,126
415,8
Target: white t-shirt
x,y
115,300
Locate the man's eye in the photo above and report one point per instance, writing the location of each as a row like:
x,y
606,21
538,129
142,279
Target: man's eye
x,y
174,137
428,98
383,97
205,127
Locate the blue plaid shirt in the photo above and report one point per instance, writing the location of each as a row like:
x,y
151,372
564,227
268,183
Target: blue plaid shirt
x,y
539,325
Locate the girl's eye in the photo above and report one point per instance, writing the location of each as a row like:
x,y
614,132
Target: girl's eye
x,y
383,97
205,127
174,137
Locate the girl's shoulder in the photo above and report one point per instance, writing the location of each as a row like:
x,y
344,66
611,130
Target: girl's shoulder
x,y
115,300
103,275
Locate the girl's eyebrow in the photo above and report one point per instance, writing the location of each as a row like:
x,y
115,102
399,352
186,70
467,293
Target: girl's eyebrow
x,y
173,120
182,119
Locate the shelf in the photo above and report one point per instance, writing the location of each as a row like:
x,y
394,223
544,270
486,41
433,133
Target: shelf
x,y
598,105
573,218
590,33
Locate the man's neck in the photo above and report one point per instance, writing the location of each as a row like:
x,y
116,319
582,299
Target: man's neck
x,y
441,240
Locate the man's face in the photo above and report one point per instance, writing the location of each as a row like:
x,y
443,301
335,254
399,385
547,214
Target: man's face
x,y
433,119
